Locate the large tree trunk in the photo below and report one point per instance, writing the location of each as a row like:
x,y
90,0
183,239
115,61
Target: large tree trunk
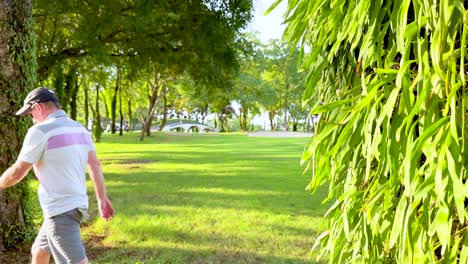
x,y
158,90
17,77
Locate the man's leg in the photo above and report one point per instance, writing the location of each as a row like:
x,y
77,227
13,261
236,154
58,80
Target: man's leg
x,y
63,235
39,252
39,255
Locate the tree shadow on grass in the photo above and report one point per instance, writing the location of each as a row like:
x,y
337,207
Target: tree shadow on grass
x,y
227,192
99,254
216,156
167,192
221,177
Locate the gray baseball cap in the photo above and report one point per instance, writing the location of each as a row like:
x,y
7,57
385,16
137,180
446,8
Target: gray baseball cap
x,y
38,95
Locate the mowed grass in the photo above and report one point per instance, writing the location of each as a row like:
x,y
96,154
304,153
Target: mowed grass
x,y
204,199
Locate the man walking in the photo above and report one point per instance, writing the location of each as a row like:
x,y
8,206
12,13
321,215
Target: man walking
x,y
59,149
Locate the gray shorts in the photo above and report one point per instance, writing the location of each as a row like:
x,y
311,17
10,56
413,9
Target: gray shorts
x,y
60,236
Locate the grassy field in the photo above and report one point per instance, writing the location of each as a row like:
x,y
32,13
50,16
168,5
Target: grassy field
x,y
204,199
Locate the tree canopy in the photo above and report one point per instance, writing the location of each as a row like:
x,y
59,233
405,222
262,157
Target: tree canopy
x,y
168,39
193,36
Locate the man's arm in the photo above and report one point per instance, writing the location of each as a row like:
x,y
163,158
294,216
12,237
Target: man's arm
x,y
95,173
14,174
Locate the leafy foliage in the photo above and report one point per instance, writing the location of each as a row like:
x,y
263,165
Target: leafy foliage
x,y
169,39
192,36
389,80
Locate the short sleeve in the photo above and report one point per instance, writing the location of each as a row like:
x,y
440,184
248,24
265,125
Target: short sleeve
x,y
91,143
34,146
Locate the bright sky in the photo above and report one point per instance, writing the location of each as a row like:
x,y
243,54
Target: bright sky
x,y
269,26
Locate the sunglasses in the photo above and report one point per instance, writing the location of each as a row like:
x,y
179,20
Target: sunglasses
x,y
33,104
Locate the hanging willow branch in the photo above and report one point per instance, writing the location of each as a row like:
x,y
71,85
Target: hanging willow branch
x,y
389,80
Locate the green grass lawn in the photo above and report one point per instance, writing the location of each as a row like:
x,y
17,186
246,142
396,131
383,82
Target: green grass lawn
x,y
204,199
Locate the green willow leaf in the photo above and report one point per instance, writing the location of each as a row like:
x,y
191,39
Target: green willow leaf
x,y
457,185
428,133
330,106
389,78
464,252
273,6
443,225
389,106
398,222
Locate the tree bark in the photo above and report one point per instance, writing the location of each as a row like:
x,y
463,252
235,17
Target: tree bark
x,y
153,99
271,116
114,103
286,90
86,107
106,108
73,93
59,86
121,111
244,118
17,77
241,122
156,93
130,115
164,120
97,129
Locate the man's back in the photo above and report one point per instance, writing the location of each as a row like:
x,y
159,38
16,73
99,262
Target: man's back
x,y
58,148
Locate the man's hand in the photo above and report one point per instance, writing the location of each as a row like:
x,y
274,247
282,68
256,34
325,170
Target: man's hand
x,y
95,173
105,209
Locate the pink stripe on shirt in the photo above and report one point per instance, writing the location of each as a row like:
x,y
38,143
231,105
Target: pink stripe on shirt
x,y
69,139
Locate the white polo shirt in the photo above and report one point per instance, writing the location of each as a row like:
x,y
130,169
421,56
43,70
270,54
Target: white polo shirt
x,y
58,148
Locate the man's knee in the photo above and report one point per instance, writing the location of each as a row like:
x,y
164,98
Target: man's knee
x,y
38,251
39,255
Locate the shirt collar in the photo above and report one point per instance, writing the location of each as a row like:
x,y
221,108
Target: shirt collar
x,y
57,114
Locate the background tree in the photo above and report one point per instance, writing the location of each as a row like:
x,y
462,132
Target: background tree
x,y
277,75
99,78
157,87
198,99
389,80
298,112
115,97
248,85
17,78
